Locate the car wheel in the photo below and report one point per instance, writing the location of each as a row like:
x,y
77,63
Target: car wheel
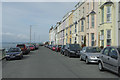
x,y
69,55
7,59
81,58
20,57
86,61
119,72
64,53
100,66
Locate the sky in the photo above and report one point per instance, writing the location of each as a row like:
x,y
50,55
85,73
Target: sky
x,y
18,16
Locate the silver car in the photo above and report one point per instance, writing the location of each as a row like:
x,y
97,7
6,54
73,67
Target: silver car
x,y
90,54
110,59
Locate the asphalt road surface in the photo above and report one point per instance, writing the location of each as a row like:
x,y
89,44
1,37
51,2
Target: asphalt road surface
x,y
44,63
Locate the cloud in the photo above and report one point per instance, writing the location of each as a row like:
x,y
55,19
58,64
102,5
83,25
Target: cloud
x,y
18,16
8,34
21,36
13,37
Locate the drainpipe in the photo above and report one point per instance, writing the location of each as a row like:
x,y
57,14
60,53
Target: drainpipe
x,y
117,23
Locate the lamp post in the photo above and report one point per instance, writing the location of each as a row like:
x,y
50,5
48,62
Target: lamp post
x,y
30,33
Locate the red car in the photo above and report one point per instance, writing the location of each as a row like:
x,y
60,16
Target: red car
x,y
24,48
54,48
58,48
32,47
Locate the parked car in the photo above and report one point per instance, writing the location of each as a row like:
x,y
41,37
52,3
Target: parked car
x,y
32,47
50,47
62,49
110,59
28,48
14,53
24,48
36,46
58,47
53,48
90,54
72,50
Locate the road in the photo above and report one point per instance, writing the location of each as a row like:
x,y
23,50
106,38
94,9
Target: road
x,y
44,63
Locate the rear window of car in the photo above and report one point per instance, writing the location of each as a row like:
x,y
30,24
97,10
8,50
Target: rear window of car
x,y
21,46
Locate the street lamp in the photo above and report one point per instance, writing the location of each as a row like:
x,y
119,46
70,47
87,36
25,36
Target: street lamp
x,y
30,33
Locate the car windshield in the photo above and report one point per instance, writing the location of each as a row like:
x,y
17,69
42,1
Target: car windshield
x,y
14,50
93,49
74,46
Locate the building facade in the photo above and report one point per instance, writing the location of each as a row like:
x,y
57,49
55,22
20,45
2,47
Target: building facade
x,y
90,24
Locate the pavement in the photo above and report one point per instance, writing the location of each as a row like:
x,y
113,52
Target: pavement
x,y
44,63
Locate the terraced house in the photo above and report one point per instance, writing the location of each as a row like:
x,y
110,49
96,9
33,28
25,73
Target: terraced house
x,y
109,23
92,23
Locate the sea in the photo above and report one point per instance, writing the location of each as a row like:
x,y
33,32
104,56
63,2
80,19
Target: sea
x,y
7,45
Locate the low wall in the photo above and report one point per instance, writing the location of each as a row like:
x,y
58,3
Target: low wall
x,y
2,53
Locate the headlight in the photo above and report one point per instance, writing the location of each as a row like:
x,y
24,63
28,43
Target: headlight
x,y
72,51
93,57
7,55
18,54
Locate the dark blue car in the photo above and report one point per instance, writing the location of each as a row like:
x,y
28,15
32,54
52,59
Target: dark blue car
x,y
14,53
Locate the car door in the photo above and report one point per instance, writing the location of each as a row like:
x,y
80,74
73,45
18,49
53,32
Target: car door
x,y
113,59
104,57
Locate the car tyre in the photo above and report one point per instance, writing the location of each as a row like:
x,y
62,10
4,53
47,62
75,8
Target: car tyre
x,y
86,61
69,55
100,66
119,72
7,59
81,58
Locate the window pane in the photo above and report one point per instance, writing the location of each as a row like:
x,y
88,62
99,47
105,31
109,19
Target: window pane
x,y
92,39
108,13
102,15
108,34
92,21
105,52
113,52
82,26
